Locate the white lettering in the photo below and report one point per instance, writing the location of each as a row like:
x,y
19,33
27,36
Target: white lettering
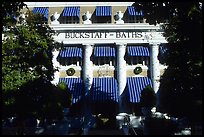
x,y
104,35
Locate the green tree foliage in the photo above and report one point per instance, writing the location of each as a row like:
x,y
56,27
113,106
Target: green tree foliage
x,y
27,53
40,98
9,10
181,88
66,96
27,67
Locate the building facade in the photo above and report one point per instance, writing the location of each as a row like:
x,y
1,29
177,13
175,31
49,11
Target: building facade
x,y
109,53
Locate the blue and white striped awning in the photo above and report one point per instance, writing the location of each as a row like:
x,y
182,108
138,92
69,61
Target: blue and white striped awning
x,y
75,87
103,10
137,51
104,88
41,10
135,85
71,11
104,51
162,49
141,13
132,11
69,52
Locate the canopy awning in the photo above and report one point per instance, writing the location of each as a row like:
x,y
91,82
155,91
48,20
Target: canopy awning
x,y
104,89
41,10
162,49
103,10
133,12
75,87
71,11
137,51
104,51
69,52
135,85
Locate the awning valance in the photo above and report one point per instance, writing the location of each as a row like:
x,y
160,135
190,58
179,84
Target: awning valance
x,y
137,51
103,10
104,89
135,85
70,52
41,10
75,87
104,51
71,11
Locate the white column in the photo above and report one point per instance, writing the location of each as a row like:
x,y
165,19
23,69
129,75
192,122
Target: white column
x,y
121,67
154,66
87,67
56,65
87,79
121,75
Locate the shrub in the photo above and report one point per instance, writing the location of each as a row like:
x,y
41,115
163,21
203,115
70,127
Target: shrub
x,y
148,97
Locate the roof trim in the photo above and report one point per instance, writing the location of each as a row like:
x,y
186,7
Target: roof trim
x,y
82,4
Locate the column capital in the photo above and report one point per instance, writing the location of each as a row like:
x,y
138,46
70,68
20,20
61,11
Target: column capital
x,y
121,44
88,45
154,44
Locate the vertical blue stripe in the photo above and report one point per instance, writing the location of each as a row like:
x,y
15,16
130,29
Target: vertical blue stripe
x,y
41,10
103,10
104,51
138,80
162,49
135,91
101,89
137,51
104,89
75,87
131,10
93,95
112,95
135,87
71,11
132,90
107,51
113,51
141,13
141,87
70,52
